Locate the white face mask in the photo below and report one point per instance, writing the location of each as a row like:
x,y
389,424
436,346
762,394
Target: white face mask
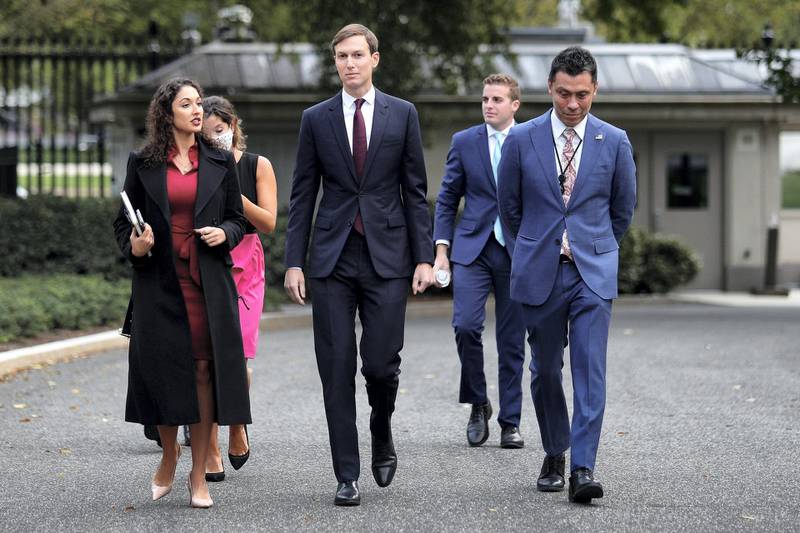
x,y
225,140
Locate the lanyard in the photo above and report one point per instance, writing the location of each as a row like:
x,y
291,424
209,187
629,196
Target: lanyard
x,y
561,177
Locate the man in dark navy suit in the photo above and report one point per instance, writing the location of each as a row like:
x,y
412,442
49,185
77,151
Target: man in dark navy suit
x,y
567,190
481,263
372,234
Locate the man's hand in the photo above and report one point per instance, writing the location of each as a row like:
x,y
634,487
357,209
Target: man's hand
x,y
295,285
423,278
441,263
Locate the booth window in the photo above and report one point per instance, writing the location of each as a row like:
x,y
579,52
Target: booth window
x,y
687,181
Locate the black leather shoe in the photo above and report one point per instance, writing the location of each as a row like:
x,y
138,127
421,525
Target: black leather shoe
x,y
347,494
151,433
384,461
583,487
551,478
478,425
216,477
238,461
510,438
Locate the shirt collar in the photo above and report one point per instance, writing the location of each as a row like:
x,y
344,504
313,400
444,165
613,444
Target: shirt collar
x,y
193,159
491,131
349,101
559,127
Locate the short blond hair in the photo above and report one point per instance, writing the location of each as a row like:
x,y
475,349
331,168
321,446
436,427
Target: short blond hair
x,y
504,79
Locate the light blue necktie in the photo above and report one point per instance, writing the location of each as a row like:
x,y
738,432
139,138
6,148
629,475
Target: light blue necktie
x,y
498,145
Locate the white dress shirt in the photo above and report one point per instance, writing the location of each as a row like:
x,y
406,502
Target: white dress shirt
x,y
558,128
367,110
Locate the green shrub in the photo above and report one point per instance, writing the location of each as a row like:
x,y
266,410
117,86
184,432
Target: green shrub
x,y
35,304
51,234
652,263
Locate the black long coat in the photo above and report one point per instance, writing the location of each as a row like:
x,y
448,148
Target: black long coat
x,y
161,377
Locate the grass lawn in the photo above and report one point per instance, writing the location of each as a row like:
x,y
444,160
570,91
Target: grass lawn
x,y
791,190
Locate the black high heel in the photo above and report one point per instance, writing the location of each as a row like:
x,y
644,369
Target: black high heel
x,y
215,477
238,461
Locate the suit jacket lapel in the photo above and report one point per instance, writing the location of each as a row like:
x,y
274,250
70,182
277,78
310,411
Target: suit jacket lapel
x,y
482,146
210,173
589,152
542,137
154,180
336,118
380,117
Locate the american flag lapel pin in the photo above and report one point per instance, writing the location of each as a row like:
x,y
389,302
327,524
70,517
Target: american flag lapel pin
x,y
598,137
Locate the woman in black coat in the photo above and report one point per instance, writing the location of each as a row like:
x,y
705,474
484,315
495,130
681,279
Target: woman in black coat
x,y
185,360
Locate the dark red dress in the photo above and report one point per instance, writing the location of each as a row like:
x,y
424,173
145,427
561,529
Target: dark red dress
x,y
182,192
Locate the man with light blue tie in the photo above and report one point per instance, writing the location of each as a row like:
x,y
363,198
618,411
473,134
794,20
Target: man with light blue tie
x,y
567,191
481,264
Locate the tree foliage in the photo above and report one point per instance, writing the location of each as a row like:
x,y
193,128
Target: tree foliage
x,y
419,40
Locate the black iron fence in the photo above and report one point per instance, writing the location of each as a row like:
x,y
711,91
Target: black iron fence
x,y
47,144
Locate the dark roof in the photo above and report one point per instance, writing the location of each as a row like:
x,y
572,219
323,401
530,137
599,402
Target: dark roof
x,y
631,69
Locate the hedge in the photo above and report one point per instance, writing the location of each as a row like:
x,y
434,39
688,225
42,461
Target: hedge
x,y
653,263
36,304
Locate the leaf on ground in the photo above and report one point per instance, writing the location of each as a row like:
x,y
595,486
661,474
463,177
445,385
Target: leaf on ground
x,y
401,391
737,387
65,451
76,391
20,405
51,383
621,433
25,420
748,517
129,508
73,407
492,510
750,400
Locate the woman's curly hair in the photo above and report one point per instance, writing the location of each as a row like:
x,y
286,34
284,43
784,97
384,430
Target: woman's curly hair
x,y
160,139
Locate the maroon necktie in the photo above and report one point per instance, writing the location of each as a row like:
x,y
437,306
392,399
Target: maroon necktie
x,y
359,154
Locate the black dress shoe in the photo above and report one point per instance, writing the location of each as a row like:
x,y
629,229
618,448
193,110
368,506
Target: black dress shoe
x,y
510,438
583,487
551,478
347,494
238,461
478,425
384,461
151,433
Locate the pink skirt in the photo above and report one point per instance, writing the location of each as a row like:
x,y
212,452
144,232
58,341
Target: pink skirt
x,y
248,274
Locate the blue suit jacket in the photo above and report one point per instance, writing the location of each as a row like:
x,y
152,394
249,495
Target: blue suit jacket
x,y
600,208
391,195
468,175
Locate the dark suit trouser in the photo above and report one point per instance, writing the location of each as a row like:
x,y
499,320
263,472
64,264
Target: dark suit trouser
x,y
589,316
472,284
381,304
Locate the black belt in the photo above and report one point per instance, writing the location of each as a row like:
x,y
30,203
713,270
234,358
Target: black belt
x,y
564,259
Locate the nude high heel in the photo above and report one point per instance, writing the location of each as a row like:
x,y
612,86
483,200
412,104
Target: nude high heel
x,y
159,491
198,503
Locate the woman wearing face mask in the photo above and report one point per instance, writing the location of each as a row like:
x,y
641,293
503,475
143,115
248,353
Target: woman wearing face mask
x,y
260,201
185,360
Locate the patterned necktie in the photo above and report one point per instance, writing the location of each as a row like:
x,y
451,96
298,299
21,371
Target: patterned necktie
x,y
569,180
359,154
499,137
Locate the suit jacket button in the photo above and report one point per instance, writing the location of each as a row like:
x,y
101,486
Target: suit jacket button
x,y
558,242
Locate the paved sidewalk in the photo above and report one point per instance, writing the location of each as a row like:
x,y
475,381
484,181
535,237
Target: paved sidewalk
x,y
701,434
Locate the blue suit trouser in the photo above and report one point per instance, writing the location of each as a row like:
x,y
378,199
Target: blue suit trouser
x,y
472,283
574,307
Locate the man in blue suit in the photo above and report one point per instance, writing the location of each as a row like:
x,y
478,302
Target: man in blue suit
x,y
371,234
567,191
481,264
